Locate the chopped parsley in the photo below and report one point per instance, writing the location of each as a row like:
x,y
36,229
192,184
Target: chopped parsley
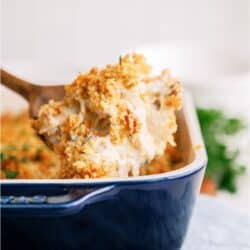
x,y
11,174
1,156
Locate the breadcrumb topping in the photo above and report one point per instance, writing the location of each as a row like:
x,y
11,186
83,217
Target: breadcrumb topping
x,y
24,156
112,120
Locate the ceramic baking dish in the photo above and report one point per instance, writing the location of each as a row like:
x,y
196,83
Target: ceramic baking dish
x,y
146,212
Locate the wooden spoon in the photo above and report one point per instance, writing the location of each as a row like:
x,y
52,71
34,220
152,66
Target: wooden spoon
x,y
36,95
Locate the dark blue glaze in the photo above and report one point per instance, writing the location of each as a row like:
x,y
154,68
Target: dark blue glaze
x,y
148,215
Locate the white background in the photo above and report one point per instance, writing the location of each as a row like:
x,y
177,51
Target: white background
x,y
52,40
86,32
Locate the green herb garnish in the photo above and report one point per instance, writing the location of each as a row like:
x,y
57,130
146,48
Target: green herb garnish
x,y
7,157
11,174
222,164
1,156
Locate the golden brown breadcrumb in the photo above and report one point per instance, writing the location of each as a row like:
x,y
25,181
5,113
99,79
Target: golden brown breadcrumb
x,y
93,107
34,160
23,154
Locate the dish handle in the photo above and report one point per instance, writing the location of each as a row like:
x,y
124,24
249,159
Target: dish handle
x,y
51,206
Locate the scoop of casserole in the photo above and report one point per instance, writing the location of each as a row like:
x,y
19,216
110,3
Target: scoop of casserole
x,y
112,120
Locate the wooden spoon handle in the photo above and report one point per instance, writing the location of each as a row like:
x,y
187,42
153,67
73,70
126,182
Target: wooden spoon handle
x,y
16,84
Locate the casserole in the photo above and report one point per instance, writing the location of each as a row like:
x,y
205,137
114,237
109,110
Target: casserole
x,y
145,212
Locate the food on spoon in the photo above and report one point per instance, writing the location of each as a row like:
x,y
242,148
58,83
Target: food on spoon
x,y
113,120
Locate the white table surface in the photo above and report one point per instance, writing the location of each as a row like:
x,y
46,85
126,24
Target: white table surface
x,y
216,225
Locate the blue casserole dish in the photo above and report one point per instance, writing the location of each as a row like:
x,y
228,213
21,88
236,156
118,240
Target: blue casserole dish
x,y
146,212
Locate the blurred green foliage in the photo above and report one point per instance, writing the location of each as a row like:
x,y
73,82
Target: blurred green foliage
x,y
222,163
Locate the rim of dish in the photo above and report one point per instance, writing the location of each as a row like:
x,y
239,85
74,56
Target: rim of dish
x,y
200,159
